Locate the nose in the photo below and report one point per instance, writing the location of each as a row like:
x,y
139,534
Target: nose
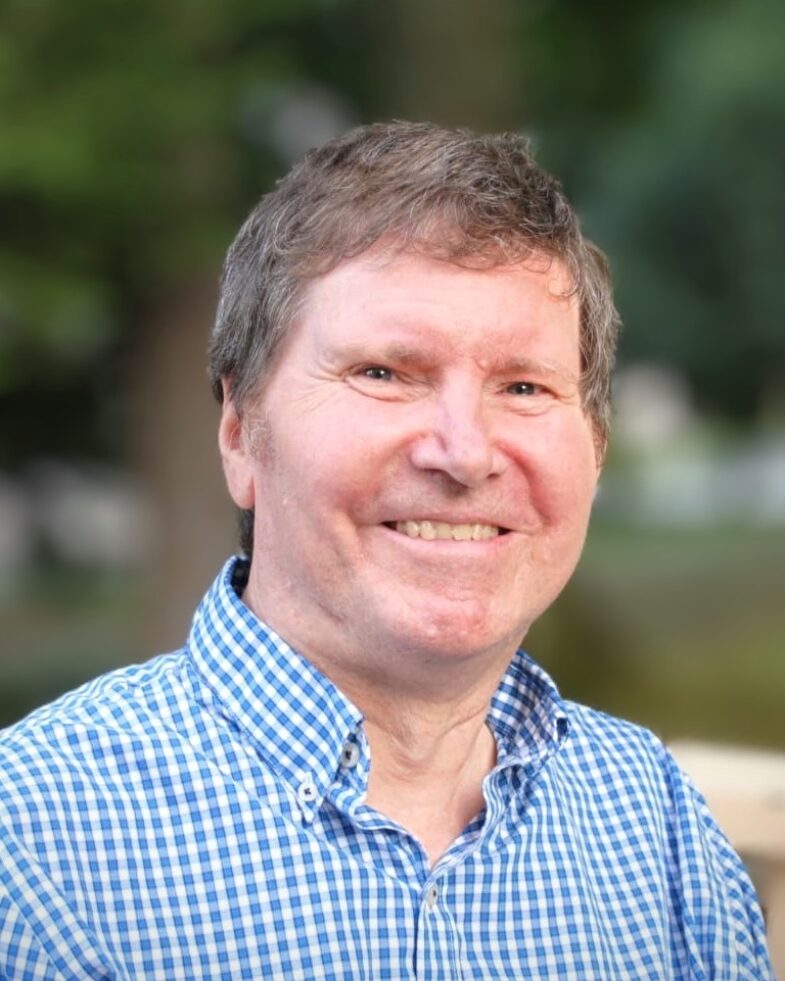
x,y
458,441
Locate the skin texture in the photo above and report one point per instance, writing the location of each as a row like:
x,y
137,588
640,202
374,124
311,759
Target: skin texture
x,y
411,389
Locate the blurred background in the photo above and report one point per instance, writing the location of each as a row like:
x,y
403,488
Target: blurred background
x,y
134,138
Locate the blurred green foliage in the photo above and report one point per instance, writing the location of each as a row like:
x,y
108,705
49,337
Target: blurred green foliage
x,y
681,630
689,198
133,141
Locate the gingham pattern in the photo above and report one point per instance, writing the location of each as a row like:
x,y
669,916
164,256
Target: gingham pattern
x,y
202,816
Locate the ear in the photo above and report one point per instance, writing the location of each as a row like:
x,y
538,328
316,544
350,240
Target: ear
x,y
238,460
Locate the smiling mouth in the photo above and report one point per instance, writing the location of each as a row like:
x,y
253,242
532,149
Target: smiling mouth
x,y
441,530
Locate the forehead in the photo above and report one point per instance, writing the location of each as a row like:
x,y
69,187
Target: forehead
x,y
377,280
416,301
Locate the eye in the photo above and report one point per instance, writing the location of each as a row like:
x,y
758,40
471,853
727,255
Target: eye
x,y
377,381
376,372
524,388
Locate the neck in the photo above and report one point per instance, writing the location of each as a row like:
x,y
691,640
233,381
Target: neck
x,y
428,763
435,753
425,716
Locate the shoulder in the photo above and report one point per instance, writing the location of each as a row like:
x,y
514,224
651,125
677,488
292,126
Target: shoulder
x,y
627,763
599,729
612,750
100,695
641,797
631,775
75,731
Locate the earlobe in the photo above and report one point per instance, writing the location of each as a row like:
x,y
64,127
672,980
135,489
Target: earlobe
x,y
236,455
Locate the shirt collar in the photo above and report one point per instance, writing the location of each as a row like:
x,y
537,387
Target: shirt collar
x,y
298,719
527,715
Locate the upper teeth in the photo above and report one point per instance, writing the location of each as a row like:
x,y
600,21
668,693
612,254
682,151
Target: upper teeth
x,y
441,529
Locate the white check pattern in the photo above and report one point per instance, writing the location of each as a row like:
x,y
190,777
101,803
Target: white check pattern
x,y
203,816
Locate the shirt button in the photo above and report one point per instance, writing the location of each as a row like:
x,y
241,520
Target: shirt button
x,y
306,792
350,754
431,897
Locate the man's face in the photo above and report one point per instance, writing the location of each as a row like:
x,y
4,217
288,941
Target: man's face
x,y
422,471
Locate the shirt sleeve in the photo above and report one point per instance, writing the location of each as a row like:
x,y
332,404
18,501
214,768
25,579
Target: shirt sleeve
x,y
40,937
721,919
21,954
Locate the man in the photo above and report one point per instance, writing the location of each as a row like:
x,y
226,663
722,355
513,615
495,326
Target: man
x,y
349,772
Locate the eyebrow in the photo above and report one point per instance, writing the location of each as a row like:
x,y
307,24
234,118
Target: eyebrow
x,y
406,354
537,366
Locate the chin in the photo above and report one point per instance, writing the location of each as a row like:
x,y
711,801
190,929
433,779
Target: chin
x,y
457,634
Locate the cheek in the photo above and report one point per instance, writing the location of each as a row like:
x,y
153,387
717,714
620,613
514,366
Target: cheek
x,y
330,468
563,473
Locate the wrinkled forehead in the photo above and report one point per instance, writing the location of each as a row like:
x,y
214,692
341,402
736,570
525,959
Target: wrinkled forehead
x,y
386,252
399,298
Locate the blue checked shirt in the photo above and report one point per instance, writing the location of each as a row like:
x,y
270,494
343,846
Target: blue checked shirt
x,y
203,816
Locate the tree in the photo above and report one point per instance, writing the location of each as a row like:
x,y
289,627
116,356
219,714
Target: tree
x,y
688,199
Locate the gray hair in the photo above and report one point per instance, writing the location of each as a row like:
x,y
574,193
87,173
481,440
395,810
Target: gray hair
x,y
450,194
